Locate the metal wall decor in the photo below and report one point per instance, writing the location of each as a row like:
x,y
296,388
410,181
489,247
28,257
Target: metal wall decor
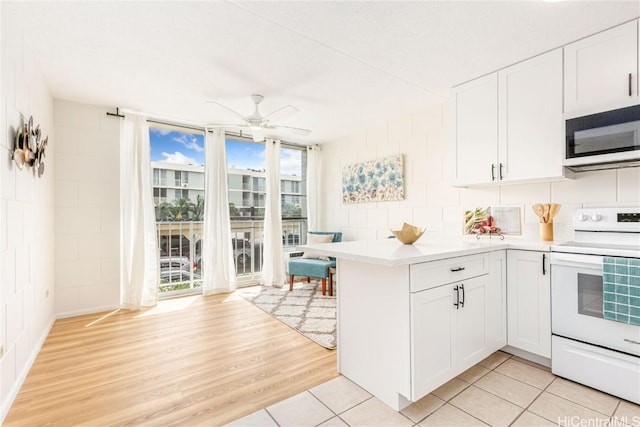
x,y
29,147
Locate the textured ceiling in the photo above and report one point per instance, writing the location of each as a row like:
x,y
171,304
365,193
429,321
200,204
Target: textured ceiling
x,y
344,65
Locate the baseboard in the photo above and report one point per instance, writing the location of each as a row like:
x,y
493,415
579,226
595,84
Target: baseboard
x,y
13,393
528,356
92,310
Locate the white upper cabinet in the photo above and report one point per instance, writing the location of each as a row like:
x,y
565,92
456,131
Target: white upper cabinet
x,y
601,71
531,126
475,131
508,126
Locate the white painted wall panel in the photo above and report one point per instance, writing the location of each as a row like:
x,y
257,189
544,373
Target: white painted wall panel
x,y
26,211
87,209
8,273
629,185
597,186
377,218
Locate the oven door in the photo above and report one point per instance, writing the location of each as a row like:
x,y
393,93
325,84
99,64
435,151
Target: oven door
x,y
576,305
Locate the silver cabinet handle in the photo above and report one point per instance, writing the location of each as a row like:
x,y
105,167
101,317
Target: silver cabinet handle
x,y
500,172
493,172
630,85
632,341
453,270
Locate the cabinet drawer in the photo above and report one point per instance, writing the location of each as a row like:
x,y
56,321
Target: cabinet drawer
x,y
428,275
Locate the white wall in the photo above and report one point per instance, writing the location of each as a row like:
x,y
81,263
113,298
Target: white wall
x,y
87,209
26,213
430,200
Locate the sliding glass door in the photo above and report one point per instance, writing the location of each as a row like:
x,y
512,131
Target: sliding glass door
x,y
177,161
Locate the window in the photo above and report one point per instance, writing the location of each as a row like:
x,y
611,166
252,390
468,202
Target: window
x,y
159,177
182,178
159,195
246,170
259,184
182,194
177,161
288,186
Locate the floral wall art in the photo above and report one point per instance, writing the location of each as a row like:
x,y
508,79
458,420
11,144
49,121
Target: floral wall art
x,y
374,181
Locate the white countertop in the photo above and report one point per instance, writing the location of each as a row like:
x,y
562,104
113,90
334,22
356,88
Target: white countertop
x,y
392,252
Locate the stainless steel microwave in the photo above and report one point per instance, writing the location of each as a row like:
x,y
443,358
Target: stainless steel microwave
x,y
604,140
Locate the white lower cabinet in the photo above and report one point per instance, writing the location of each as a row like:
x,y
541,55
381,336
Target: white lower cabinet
x,y
456,325
434,330
529,302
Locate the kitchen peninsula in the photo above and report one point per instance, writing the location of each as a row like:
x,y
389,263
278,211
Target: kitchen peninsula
x,y
411,317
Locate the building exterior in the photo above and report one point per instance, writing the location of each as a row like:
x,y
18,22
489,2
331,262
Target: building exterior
x,y
173,181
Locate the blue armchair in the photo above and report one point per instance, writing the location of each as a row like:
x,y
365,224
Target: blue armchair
x,y
313,267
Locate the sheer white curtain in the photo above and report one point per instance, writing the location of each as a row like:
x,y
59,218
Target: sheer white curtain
x,y
219,274
138,246
314,189
273,273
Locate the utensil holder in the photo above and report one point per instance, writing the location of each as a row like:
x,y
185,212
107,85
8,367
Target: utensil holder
x,y
546,231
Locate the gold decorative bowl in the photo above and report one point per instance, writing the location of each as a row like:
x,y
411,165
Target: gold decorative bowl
x,y
408,234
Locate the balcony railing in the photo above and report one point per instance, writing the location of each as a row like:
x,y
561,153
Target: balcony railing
x,y
180,262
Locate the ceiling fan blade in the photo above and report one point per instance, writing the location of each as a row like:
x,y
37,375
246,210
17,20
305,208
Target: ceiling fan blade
x,y
227,108
291,130
226,125
258,135
281,113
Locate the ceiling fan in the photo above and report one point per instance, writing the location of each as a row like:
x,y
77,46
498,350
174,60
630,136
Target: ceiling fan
x,y
259,124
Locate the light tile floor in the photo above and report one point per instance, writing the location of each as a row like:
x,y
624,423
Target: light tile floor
x,y
502,390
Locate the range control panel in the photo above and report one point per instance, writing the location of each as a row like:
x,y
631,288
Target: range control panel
x,y
625,219
629,217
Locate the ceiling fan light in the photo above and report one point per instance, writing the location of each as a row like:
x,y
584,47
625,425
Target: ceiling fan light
x,y
255,127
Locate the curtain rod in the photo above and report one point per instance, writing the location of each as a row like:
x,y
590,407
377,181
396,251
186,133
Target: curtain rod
x,y
163,120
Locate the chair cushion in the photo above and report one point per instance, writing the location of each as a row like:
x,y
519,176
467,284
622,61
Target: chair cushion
x,y
310,267
313,239
337,235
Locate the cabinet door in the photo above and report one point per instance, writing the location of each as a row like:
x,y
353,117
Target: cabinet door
x,y
496,302
529,302
597,70
474,133
531,126
433,326
472,329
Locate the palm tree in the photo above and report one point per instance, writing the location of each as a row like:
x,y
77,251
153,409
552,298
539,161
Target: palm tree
x,y
233,210
198,209
164,211
181,208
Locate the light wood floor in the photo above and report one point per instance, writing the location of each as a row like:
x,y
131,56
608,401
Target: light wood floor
x,y
190,361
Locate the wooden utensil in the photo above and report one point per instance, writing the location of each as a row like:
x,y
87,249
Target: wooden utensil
x,y
547,209
555,208
539,210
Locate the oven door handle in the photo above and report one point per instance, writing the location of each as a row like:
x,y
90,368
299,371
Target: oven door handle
x,y
575,260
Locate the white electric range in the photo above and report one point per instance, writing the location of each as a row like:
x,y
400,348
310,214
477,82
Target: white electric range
x,y
586,347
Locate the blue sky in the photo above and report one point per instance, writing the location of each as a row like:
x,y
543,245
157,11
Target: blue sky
x,y
187,148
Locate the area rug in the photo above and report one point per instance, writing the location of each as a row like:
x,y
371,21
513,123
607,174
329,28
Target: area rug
x,y
304,309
